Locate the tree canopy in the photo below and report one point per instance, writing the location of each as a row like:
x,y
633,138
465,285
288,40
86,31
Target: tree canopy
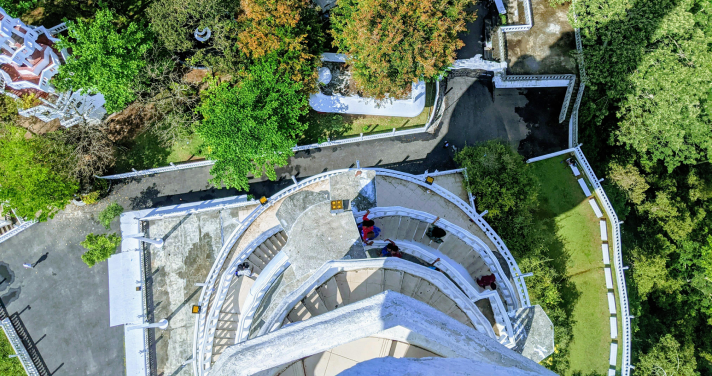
x,y
287,30
34,174
250,127
504,186
104,58
393,44
645,120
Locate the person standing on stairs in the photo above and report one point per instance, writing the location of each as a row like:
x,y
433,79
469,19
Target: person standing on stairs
x,y
391,250
435,233
487,280
244,269
368,229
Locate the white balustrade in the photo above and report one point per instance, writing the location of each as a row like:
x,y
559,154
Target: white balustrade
x,y
19,348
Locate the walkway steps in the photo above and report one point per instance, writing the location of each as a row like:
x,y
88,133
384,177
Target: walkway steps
x,y
362,284
229,317
397,228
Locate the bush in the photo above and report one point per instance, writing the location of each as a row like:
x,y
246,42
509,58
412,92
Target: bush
x,y
505,186
100,247
91,198
110,213
392,44
34,177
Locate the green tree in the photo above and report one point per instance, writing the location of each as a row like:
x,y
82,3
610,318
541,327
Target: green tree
x,y
629,179
650,273
16,8
250,127
392,44
99,247
667,358
34,174
289,31
505,186
104,59
111,212
175,21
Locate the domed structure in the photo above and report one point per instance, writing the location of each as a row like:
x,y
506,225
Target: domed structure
x,y
295,290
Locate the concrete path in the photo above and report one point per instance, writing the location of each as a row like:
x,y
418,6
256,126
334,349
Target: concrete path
x,y
65,305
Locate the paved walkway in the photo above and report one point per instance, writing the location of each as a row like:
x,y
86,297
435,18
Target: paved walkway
x,y
68,314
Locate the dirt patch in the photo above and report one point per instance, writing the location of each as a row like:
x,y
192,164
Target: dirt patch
x,y
37,126
126,124
545,48
195,76
341,81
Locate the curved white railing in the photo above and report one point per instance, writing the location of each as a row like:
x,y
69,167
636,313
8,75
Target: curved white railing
x,y
476,243
200,335
331,268
200,326
264,282
500,314
476,218
224,288
617,257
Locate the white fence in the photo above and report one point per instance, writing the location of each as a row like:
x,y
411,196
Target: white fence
x,y
527,18
550,80
19,348
474,242
16,230
331,268
615,241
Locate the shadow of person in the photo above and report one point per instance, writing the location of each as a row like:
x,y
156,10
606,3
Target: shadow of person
x,y
42,258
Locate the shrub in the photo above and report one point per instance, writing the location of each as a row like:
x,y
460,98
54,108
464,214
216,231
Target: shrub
x,y
9,366
100,247
392,44
91,198
110,213
34,177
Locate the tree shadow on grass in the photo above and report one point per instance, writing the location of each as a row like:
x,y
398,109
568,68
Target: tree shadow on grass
x,y
144,151
322,127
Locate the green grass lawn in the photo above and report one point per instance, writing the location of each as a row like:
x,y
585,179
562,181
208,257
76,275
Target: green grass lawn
x,y
578,229
8,366
337,126
146,151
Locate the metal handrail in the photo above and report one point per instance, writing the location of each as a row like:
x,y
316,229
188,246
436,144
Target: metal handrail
x,y
476,218
198,344
200,328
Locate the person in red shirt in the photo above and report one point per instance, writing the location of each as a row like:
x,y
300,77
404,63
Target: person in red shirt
x,y
487,280
368,229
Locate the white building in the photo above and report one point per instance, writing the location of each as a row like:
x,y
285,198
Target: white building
x,y
320,301
28,60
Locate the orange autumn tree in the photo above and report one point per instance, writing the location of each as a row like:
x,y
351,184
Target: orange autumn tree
x,y
289,30
392,43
